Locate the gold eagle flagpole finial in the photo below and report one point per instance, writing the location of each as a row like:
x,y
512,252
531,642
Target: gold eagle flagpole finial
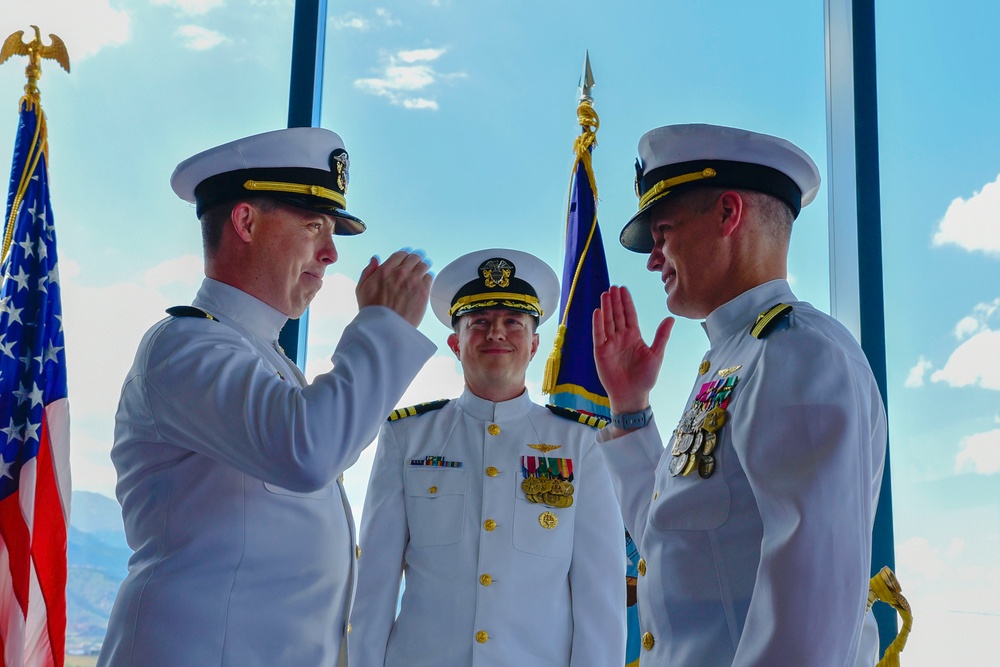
x,y
14,46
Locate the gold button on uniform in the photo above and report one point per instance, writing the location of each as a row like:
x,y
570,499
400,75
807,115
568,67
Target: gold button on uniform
x,y
357,551
548,520
492,472
433,489
490,525
648,641
482,636
656,495
493,429
641,566
348,628
486,580
705,365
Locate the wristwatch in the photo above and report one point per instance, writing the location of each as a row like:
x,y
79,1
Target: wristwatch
x,y
627,421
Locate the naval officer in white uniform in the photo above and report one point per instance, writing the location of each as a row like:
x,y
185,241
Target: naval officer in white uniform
x,y
228,459
499,512
755,521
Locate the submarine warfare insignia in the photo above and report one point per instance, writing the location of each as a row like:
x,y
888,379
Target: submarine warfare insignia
x,y
696,435
547,481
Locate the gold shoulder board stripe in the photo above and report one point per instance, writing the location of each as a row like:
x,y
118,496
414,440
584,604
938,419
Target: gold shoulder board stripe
x,y
577,416
418,409
769,319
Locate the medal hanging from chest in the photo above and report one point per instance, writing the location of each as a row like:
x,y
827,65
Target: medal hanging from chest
x,y
697,434
547,481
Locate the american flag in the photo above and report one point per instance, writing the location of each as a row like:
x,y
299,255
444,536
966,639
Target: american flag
x,y
34,414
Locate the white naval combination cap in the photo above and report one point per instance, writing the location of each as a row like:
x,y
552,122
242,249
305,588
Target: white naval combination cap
x,y
679,158
305,167
495,278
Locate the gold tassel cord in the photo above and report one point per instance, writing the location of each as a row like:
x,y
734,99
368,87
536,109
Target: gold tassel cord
x,y
552,363
583,144
35,152
885,587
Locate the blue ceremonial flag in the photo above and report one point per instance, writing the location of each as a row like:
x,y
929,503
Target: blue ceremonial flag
x,y
570,372
34,414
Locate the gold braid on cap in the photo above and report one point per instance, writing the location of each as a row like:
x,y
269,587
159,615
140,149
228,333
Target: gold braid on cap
x,y
663,187
471,299
298,189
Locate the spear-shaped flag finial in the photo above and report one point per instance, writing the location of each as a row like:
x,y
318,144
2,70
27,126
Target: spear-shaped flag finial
x,y
586,80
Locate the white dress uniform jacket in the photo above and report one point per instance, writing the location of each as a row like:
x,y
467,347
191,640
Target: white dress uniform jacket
x,y
486,585
766,562
227,475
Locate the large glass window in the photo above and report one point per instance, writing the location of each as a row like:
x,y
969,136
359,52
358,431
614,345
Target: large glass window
x,y
939,146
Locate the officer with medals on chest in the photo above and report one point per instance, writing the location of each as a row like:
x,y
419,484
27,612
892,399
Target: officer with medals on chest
x,y
228,459
498,512
755,521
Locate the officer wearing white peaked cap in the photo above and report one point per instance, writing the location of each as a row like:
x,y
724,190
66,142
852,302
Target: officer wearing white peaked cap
x,y
755,521
498,511
228,459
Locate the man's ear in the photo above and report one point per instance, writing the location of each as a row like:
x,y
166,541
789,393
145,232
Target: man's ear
x,y
243,218
453,344
730,204
534,346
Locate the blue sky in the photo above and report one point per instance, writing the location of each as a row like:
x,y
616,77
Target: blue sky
x,y
460,118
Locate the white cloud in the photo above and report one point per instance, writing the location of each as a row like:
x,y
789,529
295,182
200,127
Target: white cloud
x,y
74,22
386,16
921,558
917,373
948,585
973,224
979,453
967,326
185,270
90,462
404,73
974,362
98,355
350,21
330,312
420,103
355,21
420,55
190,7
198,38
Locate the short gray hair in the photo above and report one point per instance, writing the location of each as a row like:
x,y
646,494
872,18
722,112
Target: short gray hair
x,y
214,220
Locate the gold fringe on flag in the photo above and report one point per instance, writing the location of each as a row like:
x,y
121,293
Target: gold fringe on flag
x,y
589,122
885,587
